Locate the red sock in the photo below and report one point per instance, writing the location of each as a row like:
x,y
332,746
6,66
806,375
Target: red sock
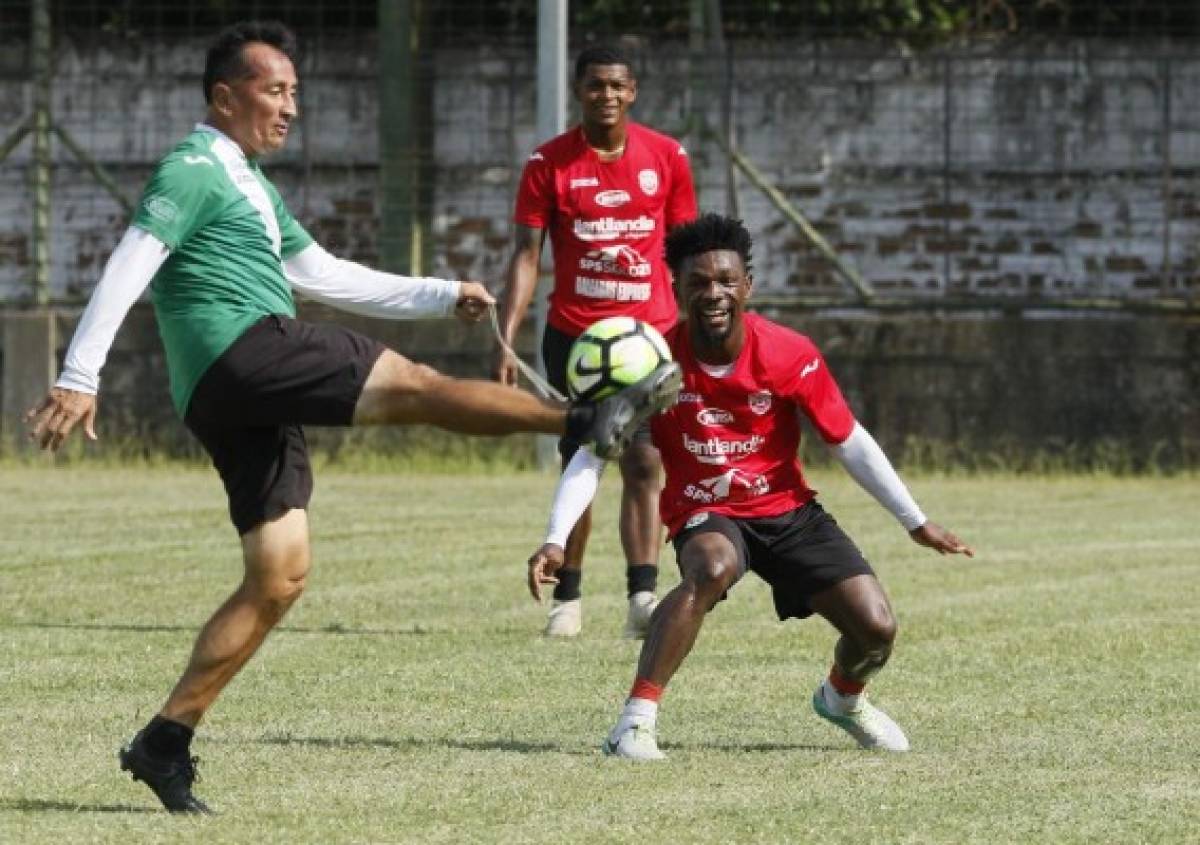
x,y
843,684
647,690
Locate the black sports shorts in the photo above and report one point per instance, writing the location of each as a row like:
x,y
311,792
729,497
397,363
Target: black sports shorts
x,y
249,407
799,553
556,348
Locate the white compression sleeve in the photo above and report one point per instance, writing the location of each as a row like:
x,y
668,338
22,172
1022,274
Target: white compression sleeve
x,y
129,270
361,290
574,493
866,463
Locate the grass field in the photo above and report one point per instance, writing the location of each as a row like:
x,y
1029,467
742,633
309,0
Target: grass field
x,y
1050,687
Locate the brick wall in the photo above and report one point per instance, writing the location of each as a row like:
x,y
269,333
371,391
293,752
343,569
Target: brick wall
x,y
1069,168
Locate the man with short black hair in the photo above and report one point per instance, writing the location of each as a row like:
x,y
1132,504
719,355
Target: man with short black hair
x,y
221,252
736,499
607,191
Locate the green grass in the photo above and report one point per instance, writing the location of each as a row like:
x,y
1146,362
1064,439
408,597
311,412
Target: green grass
x,y
1049,687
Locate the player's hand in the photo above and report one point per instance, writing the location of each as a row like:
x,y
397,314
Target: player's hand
x,y
51,421
545,562
504,367
940,540
473,302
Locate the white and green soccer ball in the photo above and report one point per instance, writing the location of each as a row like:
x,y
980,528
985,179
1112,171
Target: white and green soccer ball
x,y
611,355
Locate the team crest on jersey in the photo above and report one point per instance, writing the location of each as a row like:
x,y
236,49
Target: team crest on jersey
x,y
648,181
695,519
760,402
161,208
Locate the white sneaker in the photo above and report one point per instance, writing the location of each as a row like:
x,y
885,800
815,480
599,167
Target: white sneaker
x,y
869,725
637,622
635,742
565,619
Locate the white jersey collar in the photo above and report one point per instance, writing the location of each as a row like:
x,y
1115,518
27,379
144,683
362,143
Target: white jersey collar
x,y
221,138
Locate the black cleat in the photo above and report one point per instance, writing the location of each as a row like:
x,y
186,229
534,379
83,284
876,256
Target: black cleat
x,y
171,779
617,418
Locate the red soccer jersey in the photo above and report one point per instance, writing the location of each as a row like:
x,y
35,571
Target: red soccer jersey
x,y
729,445
606,222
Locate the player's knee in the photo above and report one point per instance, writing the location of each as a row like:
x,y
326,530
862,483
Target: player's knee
x,y
712,577
877,630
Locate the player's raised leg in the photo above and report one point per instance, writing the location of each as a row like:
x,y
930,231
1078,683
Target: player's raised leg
x,y
859,608
710,565
399,391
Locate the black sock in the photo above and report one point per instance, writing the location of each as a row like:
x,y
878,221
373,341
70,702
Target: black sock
x,y
641,577
567,587
579,419
165,738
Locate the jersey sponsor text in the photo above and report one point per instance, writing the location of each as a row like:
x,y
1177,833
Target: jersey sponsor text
x,y
611,289
611,228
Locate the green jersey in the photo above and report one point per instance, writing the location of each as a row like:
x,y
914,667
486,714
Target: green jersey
x,y
228,232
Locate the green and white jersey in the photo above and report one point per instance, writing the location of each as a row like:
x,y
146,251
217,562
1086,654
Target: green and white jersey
x,y
228,232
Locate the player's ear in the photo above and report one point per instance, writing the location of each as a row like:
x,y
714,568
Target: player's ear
x,y
632,90
222,98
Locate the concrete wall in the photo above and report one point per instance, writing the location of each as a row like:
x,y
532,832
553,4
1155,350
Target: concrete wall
x,y
969,390
1067,168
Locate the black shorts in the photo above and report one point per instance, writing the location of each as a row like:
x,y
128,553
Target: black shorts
x,y
556,348
799,554
249,407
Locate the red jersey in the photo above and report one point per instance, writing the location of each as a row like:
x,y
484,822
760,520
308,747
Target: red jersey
x,y
729,445
607,221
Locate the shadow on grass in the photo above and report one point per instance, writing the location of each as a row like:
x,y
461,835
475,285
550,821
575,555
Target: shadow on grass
x,y
520,747
415,744
333,628
39,805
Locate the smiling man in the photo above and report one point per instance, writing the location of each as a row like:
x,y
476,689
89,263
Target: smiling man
x,y
736,499
607,191
222,254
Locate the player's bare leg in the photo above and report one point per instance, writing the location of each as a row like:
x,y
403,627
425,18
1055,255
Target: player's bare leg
x,y
641,532
709,563
859,609
402,391
276,558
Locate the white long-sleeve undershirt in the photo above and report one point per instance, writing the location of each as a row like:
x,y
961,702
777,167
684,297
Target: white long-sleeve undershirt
x,y
576,489
859,454
360,290
313,272
868,465
128,272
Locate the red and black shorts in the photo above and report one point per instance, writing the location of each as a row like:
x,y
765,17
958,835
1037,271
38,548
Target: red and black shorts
x,y
799,553
556,348
249,407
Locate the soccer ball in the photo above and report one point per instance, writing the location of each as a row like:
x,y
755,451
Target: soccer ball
x,y
611,355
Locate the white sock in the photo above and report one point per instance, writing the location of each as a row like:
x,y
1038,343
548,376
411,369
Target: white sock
x,y
637,711
837,702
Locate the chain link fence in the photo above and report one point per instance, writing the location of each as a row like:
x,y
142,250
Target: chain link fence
x,y
1034,152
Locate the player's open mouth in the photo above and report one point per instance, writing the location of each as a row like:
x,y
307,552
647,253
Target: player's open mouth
x,y
715,316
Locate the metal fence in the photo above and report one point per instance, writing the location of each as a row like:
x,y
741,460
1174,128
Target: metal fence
x,y
1037,153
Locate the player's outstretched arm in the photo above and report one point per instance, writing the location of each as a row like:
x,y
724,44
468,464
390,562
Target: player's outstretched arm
x,y
72,400
352,287
869,466
940,540
576,489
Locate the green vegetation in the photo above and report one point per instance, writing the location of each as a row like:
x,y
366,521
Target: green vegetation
x,y
1049,686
